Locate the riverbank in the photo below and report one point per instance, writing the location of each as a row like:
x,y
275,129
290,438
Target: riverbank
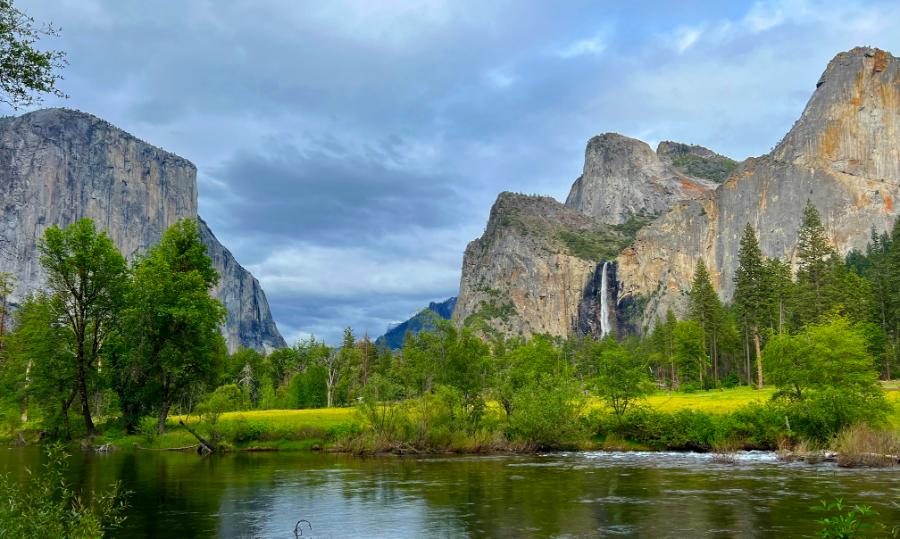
x,y
718,421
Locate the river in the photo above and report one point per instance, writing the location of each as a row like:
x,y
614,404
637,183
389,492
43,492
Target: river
x,y
593,494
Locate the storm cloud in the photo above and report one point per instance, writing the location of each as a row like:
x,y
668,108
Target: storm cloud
x,y
347,151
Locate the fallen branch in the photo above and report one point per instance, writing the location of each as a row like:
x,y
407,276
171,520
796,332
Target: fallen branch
x,y
185,448
206,445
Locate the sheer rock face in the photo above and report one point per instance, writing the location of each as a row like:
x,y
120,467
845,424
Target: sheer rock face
x,y
519,278
624,178
843,155
58,166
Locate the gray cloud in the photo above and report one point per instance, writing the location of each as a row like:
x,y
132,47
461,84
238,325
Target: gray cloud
x,y
347,151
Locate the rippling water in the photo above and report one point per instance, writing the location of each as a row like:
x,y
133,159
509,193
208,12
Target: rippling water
x,y
593,494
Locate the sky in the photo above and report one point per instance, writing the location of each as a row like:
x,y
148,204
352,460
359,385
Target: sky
x,y
348,150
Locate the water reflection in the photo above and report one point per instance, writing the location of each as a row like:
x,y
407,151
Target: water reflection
x,y
559,495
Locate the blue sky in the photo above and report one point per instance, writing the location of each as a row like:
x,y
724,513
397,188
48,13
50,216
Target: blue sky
x,y
348,150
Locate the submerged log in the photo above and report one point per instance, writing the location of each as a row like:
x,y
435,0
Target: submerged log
x,y
206,445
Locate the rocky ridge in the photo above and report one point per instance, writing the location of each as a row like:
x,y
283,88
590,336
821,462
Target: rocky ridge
x,y
624,178
843,155
60,165
527,272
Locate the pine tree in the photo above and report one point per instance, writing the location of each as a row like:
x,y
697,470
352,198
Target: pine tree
x,y
816,257
779,288
751,296
706,310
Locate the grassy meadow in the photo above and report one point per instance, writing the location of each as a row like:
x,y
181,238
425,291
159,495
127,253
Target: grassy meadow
x,y
316,428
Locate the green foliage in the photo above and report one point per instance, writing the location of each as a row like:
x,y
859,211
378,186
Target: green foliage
x,y
46,506
843,522
621,379
717,170
170,326
547,413
827,374
227,398
817,274
708,312
601,244
26,71
86,277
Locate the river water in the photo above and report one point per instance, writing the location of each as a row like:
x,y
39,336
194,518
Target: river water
x,y
556,495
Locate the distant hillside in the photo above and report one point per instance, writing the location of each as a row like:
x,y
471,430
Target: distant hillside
x,y
423,320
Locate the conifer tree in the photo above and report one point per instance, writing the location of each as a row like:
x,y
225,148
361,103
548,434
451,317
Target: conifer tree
x,y
706,310
751,296
816,284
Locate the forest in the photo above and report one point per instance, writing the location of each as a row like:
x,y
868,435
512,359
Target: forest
x,y
108,346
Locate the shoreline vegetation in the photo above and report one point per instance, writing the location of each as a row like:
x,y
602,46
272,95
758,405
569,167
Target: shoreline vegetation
x,y
702,421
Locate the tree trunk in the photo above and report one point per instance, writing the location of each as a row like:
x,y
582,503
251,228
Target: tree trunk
x,y
747,368
27,385
164,408
715,349
82,389
209,447
759,367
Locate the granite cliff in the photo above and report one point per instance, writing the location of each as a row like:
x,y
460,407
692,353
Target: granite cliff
x,y
843,155
60,165
682,203
527,272
623,179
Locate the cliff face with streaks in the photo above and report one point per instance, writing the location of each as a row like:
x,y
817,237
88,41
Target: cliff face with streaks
x,y
623,178
527,273
59,165
843,155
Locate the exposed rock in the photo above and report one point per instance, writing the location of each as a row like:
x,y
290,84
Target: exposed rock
x,y
249,322
623,178
523,275
421,321
843,155
61,165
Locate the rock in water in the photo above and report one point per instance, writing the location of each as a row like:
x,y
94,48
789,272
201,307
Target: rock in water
x,y
60,165
843,155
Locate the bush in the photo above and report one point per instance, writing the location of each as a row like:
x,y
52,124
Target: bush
x,y
46,506
754,426
547,414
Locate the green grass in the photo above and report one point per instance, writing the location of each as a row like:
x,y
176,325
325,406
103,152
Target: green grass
x,y
714,401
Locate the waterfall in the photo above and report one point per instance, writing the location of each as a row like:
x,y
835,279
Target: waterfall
x,y
604,309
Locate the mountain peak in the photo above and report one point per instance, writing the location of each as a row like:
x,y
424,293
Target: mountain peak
x,y
851,124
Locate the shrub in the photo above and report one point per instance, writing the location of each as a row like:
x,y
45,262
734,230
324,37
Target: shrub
x,y
547,414
861,445
46,506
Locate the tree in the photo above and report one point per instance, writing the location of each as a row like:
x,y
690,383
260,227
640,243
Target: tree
x,y
171,323
87,275
826,371
40,369
779,287
26,72
750,296
815,273
689,351
622,379
706,310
